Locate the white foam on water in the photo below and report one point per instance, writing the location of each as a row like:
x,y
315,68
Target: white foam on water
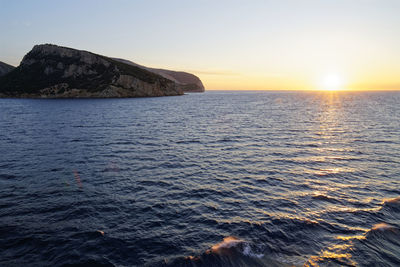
x,y
231,241
247,251
228,242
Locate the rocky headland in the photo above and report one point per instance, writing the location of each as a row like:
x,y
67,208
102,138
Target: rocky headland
x,y
51,71
187,81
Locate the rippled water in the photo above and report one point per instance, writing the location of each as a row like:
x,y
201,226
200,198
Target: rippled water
x,y
213,179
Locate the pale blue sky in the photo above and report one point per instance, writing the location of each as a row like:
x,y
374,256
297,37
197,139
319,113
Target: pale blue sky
x,y
267,41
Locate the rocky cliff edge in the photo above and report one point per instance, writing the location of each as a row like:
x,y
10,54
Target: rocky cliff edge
x,y
51,71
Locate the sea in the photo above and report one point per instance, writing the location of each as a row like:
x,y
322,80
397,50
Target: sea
x,y
221,178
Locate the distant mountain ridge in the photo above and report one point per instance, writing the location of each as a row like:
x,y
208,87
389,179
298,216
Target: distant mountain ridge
x,y
51,71
5,68
188,81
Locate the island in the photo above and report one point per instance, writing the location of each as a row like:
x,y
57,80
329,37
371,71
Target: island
x,y
51,71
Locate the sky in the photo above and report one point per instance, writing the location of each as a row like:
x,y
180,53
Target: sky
x,y
229,44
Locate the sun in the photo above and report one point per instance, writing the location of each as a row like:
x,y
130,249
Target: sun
x,y
332,82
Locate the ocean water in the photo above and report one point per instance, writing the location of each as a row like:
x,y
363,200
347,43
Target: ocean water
x,y
213,179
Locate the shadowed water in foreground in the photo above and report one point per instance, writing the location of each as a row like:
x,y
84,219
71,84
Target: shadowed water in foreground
x,y
214,179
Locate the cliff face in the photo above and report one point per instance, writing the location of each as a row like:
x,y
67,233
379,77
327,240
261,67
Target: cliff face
x,y
187,81
54,71
5,68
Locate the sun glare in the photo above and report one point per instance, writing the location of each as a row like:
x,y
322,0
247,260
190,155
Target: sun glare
x,y
332,82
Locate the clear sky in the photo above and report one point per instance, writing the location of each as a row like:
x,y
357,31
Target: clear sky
x,y
232,45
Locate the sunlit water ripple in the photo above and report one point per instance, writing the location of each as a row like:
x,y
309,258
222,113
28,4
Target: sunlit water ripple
x,y
282,178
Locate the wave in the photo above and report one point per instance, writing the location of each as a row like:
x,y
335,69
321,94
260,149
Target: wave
x,y
392,203
232,242
230,252
323,197
379,244
383,227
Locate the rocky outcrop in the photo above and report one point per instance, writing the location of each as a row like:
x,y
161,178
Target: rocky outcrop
x,y
187,81
5,68
50,71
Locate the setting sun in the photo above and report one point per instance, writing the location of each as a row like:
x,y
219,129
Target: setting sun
x,y
331,82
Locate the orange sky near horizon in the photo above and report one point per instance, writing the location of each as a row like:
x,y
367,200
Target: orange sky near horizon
x,y
251,82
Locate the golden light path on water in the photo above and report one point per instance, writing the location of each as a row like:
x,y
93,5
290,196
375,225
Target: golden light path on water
x,y
329,134
330,131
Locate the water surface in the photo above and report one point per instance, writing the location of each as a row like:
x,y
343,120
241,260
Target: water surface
x,y
285,177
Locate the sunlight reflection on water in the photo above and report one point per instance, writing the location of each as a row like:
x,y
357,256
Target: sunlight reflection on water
x,y
299,178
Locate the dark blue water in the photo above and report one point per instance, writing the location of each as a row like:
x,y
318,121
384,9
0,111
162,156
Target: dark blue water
x,y
284,178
